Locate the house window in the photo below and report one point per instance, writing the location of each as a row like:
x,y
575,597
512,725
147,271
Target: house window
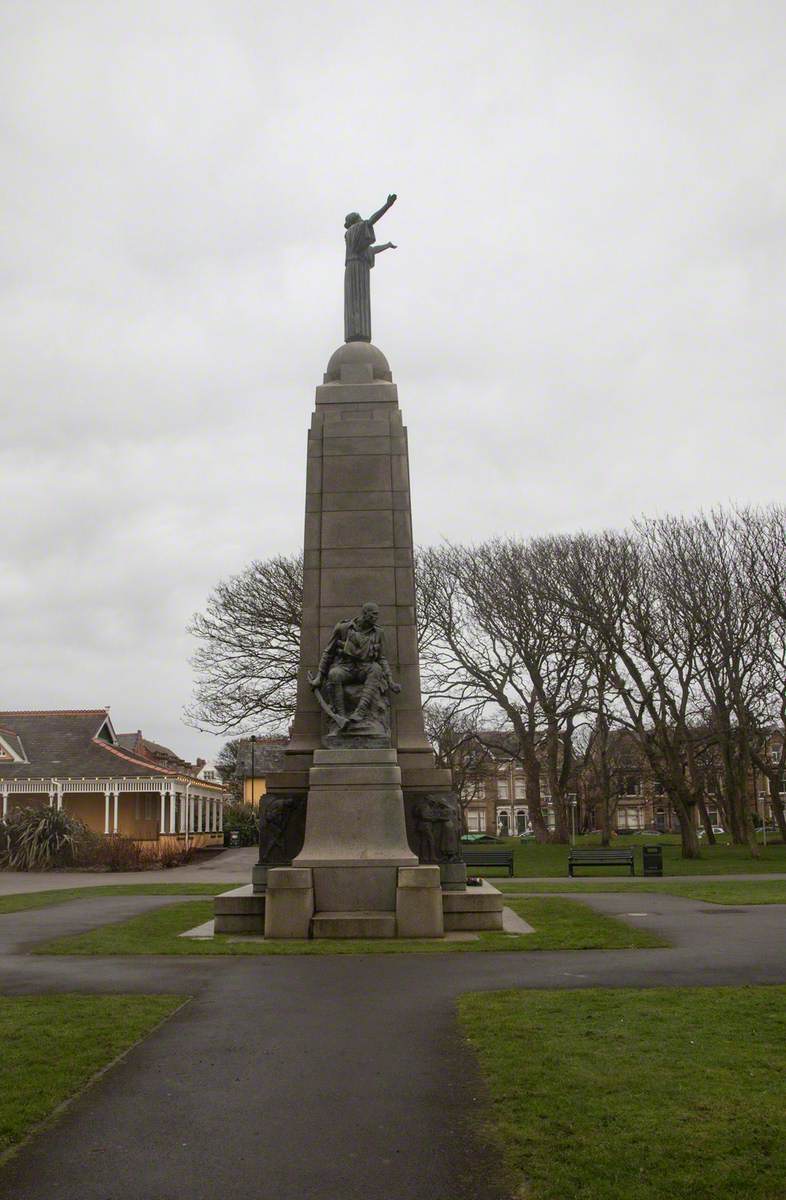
x,y
476,820
632,786
521,789
630,818
503,790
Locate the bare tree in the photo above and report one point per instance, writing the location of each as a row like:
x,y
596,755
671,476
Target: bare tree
x,y
601,762
246,664
611,581
458,747
764,537
227,764
472,671
704,578
497,641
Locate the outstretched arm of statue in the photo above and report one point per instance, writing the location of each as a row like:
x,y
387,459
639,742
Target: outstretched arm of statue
x,y
391,200
384,246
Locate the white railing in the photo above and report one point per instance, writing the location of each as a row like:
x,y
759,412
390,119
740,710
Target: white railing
x,y
39,786
56,789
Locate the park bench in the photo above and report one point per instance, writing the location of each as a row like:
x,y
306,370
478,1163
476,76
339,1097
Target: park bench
x,y
488,856
601,858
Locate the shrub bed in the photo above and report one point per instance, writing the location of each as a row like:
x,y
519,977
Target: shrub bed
x,y
40,839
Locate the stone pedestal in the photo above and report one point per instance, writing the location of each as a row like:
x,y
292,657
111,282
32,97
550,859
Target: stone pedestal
x,y
357,874
355,833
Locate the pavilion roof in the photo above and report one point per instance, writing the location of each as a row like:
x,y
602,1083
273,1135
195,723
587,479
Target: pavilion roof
x,y
69,744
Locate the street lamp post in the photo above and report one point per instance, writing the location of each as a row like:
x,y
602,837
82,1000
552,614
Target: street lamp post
x,y
762,808
253,747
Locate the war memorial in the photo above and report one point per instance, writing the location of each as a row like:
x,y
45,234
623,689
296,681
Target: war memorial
x,y
360,834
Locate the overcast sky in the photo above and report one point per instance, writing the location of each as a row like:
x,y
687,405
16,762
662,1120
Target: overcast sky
x,y
585,315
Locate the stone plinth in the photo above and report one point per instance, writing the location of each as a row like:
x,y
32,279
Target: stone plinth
x,y
355,832
477,908
289,903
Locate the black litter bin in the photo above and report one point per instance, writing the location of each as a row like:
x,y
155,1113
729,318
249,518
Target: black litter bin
x,y
234,837
652,859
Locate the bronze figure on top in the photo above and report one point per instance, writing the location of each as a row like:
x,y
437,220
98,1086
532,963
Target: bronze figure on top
x,y
361,253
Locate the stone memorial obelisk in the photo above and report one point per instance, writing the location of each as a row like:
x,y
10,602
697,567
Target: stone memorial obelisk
x,y
360,831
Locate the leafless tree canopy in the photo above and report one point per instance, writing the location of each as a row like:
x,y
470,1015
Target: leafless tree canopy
x,y
673,632
458,747
249,635
498,640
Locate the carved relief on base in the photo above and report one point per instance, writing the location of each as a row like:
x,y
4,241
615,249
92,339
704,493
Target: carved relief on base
x,y
434,826
282,829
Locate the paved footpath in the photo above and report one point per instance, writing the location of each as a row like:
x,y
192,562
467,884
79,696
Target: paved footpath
x,y
323,1078
230,866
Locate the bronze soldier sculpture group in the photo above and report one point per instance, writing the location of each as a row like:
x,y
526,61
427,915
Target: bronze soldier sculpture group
x,y
354,660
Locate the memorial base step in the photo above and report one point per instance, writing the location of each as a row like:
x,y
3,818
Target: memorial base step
x,y
478,908
358,924
240,911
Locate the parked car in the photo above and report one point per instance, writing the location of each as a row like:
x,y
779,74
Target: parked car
x,y
715,829
478,837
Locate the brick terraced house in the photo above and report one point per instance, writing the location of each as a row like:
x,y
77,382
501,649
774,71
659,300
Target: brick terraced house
x,y
495,795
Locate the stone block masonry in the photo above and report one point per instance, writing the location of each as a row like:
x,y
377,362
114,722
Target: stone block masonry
x,y
358,547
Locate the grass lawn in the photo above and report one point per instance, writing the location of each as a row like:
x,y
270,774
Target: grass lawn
x,y
534,861
20,901
715,891
559,925
667,1094
53,1045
